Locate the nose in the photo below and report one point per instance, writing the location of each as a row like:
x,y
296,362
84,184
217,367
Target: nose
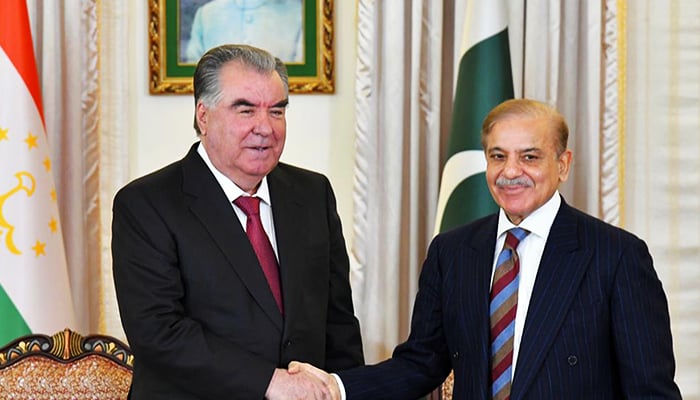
x,y
263,126
512,169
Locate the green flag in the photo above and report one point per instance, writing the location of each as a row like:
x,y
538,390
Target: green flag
x,y
484,80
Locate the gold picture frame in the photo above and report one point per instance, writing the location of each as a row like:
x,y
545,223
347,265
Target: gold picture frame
x,y
170,74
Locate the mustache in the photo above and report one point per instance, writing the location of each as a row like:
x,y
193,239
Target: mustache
x,y
520,181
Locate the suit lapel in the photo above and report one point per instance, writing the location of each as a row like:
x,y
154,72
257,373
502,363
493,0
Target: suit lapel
x,y
475,287
290,225
560,272
210,205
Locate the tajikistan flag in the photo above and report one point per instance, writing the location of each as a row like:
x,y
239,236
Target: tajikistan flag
x,y
34,290
484,81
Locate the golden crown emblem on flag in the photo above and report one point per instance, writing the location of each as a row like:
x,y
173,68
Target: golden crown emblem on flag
x,y
26,183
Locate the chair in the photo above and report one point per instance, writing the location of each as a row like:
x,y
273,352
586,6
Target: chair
x,y
444,391
65,366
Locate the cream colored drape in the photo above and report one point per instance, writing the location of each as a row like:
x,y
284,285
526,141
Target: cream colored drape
x,y
80,47
662,162
62,40
115,116
558,43
626,76
399,92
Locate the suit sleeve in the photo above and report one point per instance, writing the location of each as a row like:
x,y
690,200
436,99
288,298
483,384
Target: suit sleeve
x,y
421,363
150,291
641,328
343,341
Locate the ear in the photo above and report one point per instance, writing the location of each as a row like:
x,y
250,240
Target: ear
x,y
201,114
565,164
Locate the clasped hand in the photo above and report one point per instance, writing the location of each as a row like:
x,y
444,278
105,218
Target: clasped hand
x,y
302,381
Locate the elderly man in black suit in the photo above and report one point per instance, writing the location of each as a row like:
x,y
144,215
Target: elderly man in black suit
x,y
229,264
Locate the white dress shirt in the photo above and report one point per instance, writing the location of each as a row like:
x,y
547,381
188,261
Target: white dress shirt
x,y
529,253
233,192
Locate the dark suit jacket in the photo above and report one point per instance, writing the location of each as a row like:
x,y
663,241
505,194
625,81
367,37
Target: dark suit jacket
x,y
597,325
194,302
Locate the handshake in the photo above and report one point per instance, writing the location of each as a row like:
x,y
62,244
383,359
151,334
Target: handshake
x,y
302,381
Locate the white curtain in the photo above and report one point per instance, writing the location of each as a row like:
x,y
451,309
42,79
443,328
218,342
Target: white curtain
x,y
61,32
626,76
399,91
113,132
559,45
80,47
662,161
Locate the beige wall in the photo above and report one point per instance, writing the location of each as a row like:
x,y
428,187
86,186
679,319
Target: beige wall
x,y
321,127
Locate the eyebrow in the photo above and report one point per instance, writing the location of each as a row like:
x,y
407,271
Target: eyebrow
x,y
247,103
527,150
281,103
242,102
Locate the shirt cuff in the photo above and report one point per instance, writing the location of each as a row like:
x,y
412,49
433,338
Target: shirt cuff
x,y
340,386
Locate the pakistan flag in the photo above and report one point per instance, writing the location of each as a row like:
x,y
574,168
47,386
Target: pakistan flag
x,y
484,80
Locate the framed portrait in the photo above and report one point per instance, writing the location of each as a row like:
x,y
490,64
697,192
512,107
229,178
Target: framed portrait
x,y
299,32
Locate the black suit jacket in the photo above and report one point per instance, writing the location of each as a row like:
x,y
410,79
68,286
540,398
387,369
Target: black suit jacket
x,y
597,325
194,302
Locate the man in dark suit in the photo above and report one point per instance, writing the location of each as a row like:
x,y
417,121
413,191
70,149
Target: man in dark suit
x,y
202,317
591,318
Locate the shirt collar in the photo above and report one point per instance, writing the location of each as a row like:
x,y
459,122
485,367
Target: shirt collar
x,y
538,223
231,189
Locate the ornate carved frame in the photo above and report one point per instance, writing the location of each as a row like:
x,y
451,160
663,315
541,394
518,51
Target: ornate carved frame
x,y
166,76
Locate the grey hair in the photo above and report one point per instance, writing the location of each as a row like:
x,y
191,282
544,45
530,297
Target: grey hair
x,y
518,108
207,88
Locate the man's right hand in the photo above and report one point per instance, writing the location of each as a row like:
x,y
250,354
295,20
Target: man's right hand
x,y
296,367
299,385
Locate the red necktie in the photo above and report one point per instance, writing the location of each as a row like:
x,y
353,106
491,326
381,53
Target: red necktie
x,y
261,244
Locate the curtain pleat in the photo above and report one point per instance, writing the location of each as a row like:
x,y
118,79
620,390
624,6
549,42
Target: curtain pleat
x,y
81,48
398,95
662,160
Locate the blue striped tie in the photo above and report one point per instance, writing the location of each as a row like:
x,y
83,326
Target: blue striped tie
x,y
504,303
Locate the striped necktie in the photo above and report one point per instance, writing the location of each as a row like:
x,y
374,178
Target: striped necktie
x,y
504,303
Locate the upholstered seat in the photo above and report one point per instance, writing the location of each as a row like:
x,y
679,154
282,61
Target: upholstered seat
x,y
446,387
65,366
444,391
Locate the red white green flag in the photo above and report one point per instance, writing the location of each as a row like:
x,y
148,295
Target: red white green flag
x,y
35,294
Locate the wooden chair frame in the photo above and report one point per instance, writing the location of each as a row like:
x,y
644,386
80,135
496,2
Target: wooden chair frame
x,y
66,365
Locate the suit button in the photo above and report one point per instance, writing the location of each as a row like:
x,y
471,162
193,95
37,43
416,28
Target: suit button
x,y
455,355
572,360
287,344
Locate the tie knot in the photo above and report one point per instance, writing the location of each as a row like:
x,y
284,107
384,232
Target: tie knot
x,y
515,235
249,204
